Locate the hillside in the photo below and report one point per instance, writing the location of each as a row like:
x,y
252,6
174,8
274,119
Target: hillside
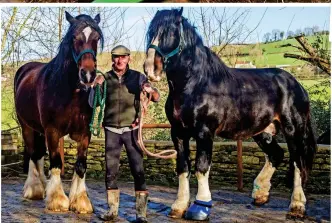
x,y
269,54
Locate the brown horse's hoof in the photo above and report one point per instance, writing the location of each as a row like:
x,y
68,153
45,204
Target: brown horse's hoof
x,y
176,214
261,200
81,204
57,201
34,189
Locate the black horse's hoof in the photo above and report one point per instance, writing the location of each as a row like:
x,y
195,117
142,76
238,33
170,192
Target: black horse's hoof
x,y
199,211
141,220
296,214
176,214
108,217
259,201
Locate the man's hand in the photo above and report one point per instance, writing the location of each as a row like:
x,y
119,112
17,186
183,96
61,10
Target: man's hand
x,y
147,88
98,80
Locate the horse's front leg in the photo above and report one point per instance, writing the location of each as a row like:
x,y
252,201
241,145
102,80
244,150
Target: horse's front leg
x,y
200,209
181,204
78,197
56,199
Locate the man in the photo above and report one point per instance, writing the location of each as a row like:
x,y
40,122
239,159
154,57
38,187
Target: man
x,y
122,109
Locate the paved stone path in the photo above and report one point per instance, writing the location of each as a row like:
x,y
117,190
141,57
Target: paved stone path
x,y
229,205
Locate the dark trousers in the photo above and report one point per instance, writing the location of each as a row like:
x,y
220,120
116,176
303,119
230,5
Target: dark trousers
x,y
113,145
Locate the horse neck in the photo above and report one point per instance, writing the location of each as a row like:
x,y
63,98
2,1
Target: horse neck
x,y
64,83
179,76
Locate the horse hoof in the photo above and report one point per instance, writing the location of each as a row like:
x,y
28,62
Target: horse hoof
x,y
199,211
176,214
296,214
261,200
34,190
108,216
58,203
141,220
81,204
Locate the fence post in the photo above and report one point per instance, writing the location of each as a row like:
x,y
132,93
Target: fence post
x,y
239,166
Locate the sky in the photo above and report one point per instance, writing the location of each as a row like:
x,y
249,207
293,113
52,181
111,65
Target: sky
x,y
136,21
282,18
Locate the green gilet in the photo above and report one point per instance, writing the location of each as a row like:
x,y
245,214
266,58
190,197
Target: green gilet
x,y
122,104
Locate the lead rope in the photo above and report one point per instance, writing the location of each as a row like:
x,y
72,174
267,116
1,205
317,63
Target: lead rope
x,y
144,106
95,129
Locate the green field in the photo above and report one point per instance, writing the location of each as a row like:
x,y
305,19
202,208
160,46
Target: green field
x,y
273,52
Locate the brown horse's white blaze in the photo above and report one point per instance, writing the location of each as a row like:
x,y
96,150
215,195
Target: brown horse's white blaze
x,y
34,187
56,199
87,62
78,197
183,197
298,199
153,69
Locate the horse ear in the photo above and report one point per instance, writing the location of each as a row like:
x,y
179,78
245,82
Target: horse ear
x,y
69,18
180,11
179,16
97,18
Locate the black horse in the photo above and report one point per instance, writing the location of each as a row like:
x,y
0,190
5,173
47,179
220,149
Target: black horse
x,y
207,98
51,101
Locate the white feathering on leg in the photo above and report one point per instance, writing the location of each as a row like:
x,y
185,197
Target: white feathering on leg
x,y
203,193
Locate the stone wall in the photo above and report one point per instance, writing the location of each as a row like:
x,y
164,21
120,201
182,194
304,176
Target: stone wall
x,y
222,173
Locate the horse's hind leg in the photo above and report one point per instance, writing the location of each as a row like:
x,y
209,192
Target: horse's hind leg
x,y
56,199
34,187
181,143
302,148
274,155
78,197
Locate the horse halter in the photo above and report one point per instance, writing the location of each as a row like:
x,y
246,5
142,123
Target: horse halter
x,y
80,84
78,57
177,50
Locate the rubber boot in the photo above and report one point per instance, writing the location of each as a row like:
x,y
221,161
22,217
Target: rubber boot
x,y
141,206
113,199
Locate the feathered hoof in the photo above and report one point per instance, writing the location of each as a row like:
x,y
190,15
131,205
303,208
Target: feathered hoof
x,y
141,220
81,204
34,190
199,211
177,214
58,202
261,200
296,214
108,216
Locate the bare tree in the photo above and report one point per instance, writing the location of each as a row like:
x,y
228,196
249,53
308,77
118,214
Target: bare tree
x,y
311,55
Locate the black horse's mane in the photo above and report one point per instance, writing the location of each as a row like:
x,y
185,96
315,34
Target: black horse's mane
x,y
204,62
57,68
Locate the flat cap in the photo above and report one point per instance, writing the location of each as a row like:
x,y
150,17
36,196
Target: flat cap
x,y
120,50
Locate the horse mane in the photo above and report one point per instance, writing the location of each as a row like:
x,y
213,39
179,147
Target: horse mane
x,y
203,61
58,69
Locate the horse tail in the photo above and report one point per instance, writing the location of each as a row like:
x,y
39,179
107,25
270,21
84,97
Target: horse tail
x,y
309,150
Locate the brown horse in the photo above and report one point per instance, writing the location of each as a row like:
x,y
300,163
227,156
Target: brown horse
x,y
51,101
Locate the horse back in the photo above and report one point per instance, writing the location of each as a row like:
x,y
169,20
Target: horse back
x,y
26,71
